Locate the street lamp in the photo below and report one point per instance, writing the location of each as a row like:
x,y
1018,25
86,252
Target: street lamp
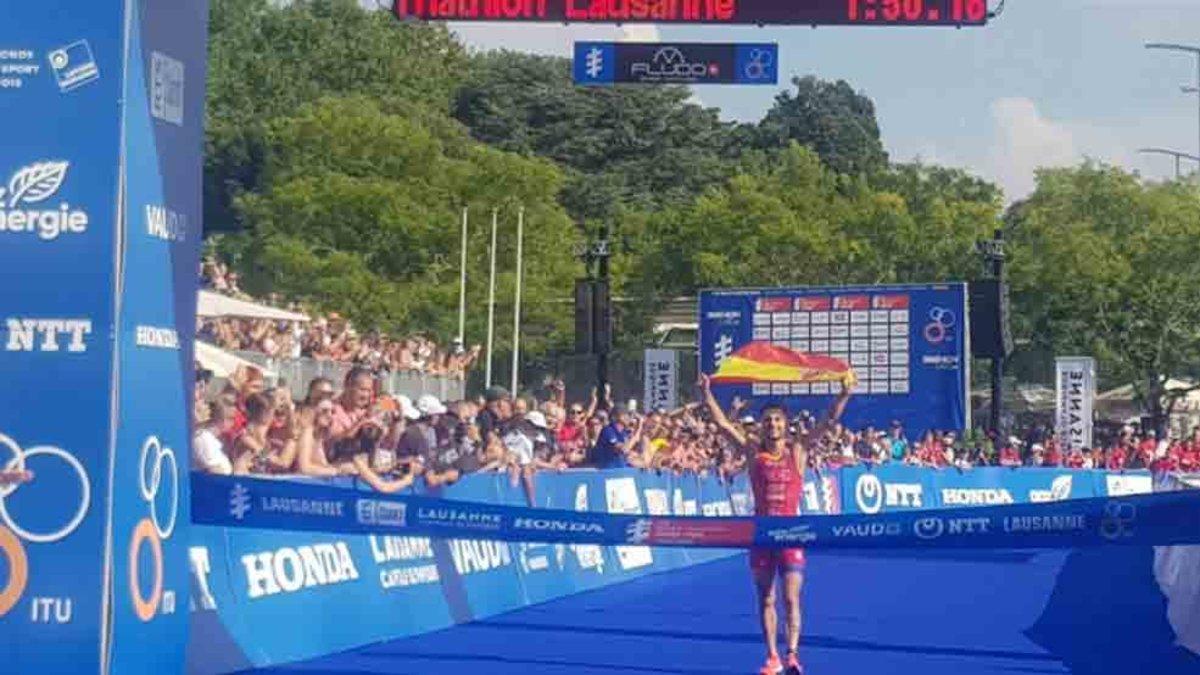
x,y
1171,153
1187,49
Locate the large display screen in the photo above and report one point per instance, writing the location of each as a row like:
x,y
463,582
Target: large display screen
x,y
808,12
908,346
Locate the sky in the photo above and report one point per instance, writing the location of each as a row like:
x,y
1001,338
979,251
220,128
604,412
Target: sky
x,y
1047,83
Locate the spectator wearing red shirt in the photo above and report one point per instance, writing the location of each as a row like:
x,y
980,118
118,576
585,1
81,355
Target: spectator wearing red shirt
x,y
1053,455
1074,459
1117,459
1147,449
1164,464
1009,455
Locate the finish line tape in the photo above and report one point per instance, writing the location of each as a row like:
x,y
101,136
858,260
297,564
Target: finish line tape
x,y
1150,519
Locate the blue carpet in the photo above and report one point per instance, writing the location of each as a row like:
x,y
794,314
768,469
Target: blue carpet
x,y
920,612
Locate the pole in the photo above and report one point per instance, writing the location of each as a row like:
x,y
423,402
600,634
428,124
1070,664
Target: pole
x,y
462,286
491,329
998,361
1195,51
517,303
602,347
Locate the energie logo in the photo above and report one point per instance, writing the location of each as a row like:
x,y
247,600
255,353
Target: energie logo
x,y
28,189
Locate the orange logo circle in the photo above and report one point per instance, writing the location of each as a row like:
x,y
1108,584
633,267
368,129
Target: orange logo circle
x,y
18,570
145,532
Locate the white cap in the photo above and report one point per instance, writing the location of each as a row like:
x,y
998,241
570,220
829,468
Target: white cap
x,y
537,419
429,405
407,409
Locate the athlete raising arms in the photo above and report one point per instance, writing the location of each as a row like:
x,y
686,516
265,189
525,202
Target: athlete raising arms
x,y
777,464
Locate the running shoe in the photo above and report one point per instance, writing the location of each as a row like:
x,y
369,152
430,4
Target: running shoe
x,y
793,666
771,667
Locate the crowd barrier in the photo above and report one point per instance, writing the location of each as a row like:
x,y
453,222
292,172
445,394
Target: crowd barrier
x,y
263,597
1177,572
299,372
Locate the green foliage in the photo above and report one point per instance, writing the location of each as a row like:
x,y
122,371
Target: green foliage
x,y
360,212
1105,264
634,146
796,222
266,61
831,118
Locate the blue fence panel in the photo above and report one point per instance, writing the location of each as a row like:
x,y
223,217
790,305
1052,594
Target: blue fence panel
x,y
886,489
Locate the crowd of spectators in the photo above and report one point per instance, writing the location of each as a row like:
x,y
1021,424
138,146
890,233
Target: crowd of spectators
x,y
353,428
324,338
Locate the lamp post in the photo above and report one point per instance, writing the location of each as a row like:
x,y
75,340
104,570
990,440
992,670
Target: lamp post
x,y
1171,153
1195,51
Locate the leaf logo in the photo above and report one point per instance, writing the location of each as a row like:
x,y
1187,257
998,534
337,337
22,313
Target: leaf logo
x,y
36,182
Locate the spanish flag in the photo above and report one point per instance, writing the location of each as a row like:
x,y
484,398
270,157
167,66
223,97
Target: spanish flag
x,y
765,362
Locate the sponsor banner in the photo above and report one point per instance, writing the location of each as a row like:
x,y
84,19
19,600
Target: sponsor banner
x,y
1126,483
364,586
94,202
994,486
907,345
886,489
1075,393
1094,521
160,238
606,63
661,380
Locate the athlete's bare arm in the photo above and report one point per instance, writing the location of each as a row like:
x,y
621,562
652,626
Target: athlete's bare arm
x,y
718,415
835,410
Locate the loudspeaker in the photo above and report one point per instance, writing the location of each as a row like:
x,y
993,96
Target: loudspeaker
x,y
603,320
584,309
990,336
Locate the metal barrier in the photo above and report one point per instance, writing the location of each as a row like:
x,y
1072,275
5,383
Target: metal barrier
x,y
297,373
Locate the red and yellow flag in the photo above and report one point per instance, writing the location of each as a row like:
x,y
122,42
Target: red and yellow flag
x,y
765,362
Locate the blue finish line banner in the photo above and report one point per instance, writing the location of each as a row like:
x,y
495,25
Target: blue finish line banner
x,y
605,63
1155,519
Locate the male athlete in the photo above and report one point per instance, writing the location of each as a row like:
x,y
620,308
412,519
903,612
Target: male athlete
x,y
777,464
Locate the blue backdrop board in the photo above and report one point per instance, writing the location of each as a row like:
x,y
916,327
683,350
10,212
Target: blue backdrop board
x,y
607,63
99,224
907,344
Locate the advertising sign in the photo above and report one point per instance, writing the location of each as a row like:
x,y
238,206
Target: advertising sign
x,y
907,345
603,63
661,380
1075,392
99,210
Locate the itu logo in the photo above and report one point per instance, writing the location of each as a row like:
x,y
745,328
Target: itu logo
x,y
153,530
1117,521
12,534
941,320
239,501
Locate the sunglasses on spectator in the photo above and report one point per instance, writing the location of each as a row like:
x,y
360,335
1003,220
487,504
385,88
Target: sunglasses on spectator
x,y
325,409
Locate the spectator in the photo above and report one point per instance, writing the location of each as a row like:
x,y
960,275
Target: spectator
x,y
208,451
351,410
1010,454
253,451
319,389
616,441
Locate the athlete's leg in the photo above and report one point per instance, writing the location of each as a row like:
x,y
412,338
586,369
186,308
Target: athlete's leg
x,y
764,569
793,582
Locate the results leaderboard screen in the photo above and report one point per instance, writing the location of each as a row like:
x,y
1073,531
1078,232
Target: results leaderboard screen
x,y
907,344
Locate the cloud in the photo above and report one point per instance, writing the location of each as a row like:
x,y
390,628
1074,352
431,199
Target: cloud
x,y
1023,141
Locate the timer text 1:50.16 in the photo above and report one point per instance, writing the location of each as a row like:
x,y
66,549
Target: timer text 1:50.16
x,y
918,11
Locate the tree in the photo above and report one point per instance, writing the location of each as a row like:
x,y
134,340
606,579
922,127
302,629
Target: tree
x,y
266,60
1105,264
637,147
831,118
360,211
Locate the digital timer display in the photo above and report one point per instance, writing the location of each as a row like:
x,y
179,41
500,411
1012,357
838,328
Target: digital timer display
x,y
804,12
